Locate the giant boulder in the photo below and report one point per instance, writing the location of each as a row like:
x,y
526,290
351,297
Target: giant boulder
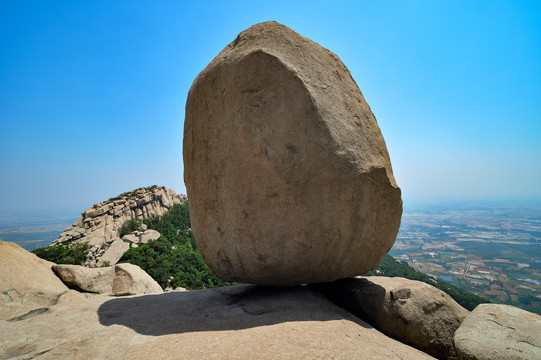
x,y
286,169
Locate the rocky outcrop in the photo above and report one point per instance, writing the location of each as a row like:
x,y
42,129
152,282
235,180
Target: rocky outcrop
x,y
238,322
27,282
499,332
410,311
100,224
108,253
286,169
119,280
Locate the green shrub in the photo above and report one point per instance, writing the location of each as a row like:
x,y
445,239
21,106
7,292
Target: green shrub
x,y
64,253
130,226
173,260
129,194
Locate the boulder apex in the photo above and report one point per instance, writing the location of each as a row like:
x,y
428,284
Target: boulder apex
x,y
286,169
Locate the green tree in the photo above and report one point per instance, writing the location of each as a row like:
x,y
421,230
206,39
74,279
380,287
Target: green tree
x,y
173,260
64,253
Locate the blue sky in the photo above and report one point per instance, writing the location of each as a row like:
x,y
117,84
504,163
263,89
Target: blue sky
x,y
92,93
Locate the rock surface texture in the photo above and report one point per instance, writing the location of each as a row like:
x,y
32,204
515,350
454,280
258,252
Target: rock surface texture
x,y
499,332
286,169
27,282
130,279
118,280
100,224
410,311
238,322
97,280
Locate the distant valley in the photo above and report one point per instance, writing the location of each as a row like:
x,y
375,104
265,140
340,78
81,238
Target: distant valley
x,y
493,251
31,231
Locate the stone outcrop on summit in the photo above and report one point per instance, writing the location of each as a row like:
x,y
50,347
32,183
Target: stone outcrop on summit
x,y
100,225
286,169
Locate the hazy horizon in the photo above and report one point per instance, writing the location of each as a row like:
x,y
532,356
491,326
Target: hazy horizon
x,y
92,95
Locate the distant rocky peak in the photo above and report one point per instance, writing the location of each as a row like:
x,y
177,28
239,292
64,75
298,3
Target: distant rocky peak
x,y
101,223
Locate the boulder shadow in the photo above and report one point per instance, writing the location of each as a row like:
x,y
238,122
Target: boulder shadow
x,y
228,308
343,294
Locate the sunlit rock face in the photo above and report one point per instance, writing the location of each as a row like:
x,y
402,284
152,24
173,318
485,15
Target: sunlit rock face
x,y
288,176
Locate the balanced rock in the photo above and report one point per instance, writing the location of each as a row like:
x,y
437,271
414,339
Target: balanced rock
x,y
411,311
494,332
27,282
286,169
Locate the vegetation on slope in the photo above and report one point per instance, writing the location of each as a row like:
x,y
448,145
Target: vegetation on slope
x,y
392,268
64,253
130,226
173,260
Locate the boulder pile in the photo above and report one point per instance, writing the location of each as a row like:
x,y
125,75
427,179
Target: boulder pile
x,y
286,169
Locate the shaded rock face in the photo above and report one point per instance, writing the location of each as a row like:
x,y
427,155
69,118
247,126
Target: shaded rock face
x,y
498,332
410,311
119,280
287,172
100,224
27,282
238,322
